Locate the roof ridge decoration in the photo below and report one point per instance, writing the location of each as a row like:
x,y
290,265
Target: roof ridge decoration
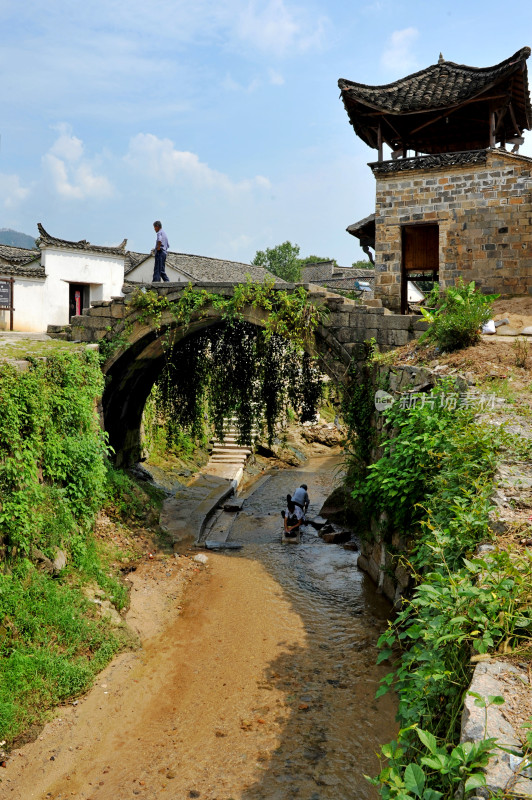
x,y
45,240
445,107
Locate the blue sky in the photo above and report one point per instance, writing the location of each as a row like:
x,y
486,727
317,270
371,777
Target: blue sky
x,y
221,119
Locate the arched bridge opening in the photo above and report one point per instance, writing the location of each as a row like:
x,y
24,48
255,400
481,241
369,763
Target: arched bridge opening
x,y
137,353
134,368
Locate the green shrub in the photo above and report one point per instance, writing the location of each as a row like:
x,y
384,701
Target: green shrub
x,y
52,450
459,316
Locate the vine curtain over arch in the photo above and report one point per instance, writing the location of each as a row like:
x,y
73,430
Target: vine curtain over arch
x,y
232,369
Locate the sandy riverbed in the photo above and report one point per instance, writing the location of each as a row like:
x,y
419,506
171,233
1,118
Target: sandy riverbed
x,y
190,714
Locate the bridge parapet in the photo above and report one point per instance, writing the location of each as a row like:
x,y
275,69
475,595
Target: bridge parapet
x,y
346,328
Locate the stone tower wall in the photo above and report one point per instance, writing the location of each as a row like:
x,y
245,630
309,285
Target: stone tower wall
x,y
484,213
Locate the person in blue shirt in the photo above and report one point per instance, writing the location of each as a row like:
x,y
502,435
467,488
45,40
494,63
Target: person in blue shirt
x,y
301,499
161,249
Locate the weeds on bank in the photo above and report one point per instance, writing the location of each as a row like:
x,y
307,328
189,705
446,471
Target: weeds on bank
x,y
432,486
51,646
54,478
458,318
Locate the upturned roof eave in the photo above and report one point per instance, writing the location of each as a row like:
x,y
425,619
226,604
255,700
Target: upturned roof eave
x,y
46,240
518,58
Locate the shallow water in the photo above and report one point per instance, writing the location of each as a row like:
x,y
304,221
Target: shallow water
x,y
331,740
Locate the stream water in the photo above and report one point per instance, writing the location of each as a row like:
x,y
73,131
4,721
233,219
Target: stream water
x,y
332,742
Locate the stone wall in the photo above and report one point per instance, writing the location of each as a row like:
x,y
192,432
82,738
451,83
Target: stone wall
x,y
484,214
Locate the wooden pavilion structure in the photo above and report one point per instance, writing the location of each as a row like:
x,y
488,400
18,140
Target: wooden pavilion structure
x,y
445,108
452,202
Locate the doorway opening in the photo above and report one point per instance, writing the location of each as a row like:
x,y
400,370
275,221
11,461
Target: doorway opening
x,y
420,260
78,299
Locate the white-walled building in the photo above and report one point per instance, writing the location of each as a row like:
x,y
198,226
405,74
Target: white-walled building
x,y
58,279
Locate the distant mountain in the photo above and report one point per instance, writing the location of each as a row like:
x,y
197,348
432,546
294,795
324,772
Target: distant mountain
x,y
16,239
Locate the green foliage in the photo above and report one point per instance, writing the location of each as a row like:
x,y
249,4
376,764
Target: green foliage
x,y
436,451
304,262
434,483
236,367
451,769
358,408
362,264
51,450
282,260
289,314
236,371
54,477
51,646
460,313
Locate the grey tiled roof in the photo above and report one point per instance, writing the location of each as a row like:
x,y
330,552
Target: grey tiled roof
x,y
19,262
443,108
438,86
432,161
319,271
361,227
203,268
133,260
46,239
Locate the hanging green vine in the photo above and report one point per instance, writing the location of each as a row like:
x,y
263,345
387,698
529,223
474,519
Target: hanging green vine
x,y
232,370
289,314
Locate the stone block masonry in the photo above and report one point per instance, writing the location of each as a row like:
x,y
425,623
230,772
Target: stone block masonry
x,y
484,216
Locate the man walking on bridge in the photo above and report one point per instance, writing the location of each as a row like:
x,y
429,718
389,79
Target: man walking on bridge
x,y
161,249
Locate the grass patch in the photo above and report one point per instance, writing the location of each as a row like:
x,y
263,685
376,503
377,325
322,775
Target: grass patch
x,y
20,349
51,646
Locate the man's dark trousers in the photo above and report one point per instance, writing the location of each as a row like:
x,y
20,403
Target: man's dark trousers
x,y
159,273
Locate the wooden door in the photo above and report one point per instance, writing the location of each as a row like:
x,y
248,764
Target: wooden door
x,y
420,254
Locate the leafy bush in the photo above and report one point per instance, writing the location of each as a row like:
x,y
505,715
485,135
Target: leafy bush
x,y
52,450
429,449
459,316
434,481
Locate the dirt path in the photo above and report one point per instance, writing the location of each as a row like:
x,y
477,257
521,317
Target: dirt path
x,y
189,714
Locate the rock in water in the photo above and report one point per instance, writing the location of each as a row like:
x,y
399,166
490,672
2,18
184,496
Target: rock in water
x,y
317,522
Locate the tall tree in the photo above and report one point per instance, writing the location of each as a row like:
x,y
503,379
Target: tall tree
x,y
282,260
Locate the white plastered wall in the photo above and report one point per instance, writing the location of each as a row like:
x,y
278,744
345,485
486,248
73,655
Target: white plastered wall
x,y
103,273
30,306
143,273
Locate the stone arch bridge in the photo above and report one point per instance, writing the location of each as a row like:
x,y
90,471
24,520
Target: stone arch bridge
x,y
137,361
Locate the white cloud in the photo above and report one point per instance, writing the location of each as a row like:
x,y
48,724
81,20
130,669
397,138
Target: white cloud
x,y
278,29
159,158
66,145
11,191
233,86
276,79
398,57
73,176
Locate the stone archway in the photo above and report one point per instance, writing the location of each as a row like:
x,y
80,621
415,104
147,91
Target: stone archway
x,y
137,361
133,369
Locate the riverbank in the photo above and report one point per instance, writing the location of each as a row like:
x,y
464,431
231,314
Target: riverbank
x,y
232,693
447,504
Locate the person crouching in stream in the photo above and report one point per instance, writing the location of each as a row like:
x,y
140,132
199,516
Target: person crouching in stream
x,y
301,500
293,517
